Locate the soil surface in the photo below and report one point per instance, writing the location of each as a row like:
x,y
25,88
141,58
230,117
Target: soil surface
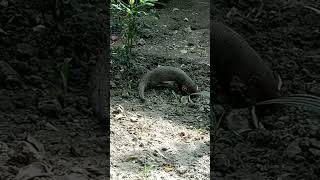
x,y
165,137
287,143
46,132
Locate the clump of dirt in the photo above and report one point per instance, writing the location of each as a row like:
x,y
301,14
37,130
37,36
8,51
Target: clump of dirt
x,y
167,136
286,146
44,132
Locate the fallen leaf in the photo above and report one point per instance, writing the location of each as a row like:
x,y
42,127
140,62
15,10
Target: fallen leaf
x,y
167,167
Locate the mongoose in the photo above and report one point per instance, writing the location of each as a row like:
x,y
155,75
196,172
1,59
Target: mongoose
x,y
164,74
232,56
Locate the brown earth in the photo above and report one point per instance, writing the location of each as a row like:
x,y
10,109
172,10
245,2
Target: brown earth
x,y
45,134
166,137
286,35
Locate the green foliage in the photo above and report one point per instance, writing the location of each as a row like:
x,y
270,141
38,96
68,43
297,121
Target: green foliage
x,y
129,15
146,170
122,57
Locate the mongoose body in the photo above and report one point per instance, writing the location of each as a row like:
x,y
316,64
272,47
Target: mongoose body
x,y
164,74
232,56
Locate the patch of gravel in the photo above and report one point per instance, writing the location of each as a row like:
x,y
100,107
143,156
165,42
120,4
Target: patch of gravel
x,y
153,147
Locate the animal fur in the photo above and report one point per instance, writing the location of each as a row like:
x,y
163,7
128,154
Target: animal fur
x,y
164,74
232,56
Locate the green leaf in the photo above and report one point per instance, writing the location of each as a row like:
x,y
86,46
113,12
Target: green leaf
x,y
149,4
146,169
132,158
131,2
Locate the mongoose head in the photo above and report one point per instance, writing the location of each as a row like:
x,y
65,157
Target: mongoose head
x,y
189,89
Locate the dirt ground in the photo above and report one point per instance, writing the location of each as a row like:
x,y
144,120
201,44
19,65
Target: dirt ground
x,y
44,135
165,137
286,35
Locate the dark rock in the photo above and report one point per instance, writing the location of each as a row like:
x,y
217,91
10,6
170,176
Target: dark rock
x,y
33,170
26,153
256,175
94,170
237,119
59,51
7,103
75,176
70,111
5,152
299,130
314,143
241,147
304,143
51,107
4,3
82,101
26,49
146,33
218,109
293,149
8,75
315,89
38,28
22,67
35,80
222,163
33,117
260,138
19,103
315,152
